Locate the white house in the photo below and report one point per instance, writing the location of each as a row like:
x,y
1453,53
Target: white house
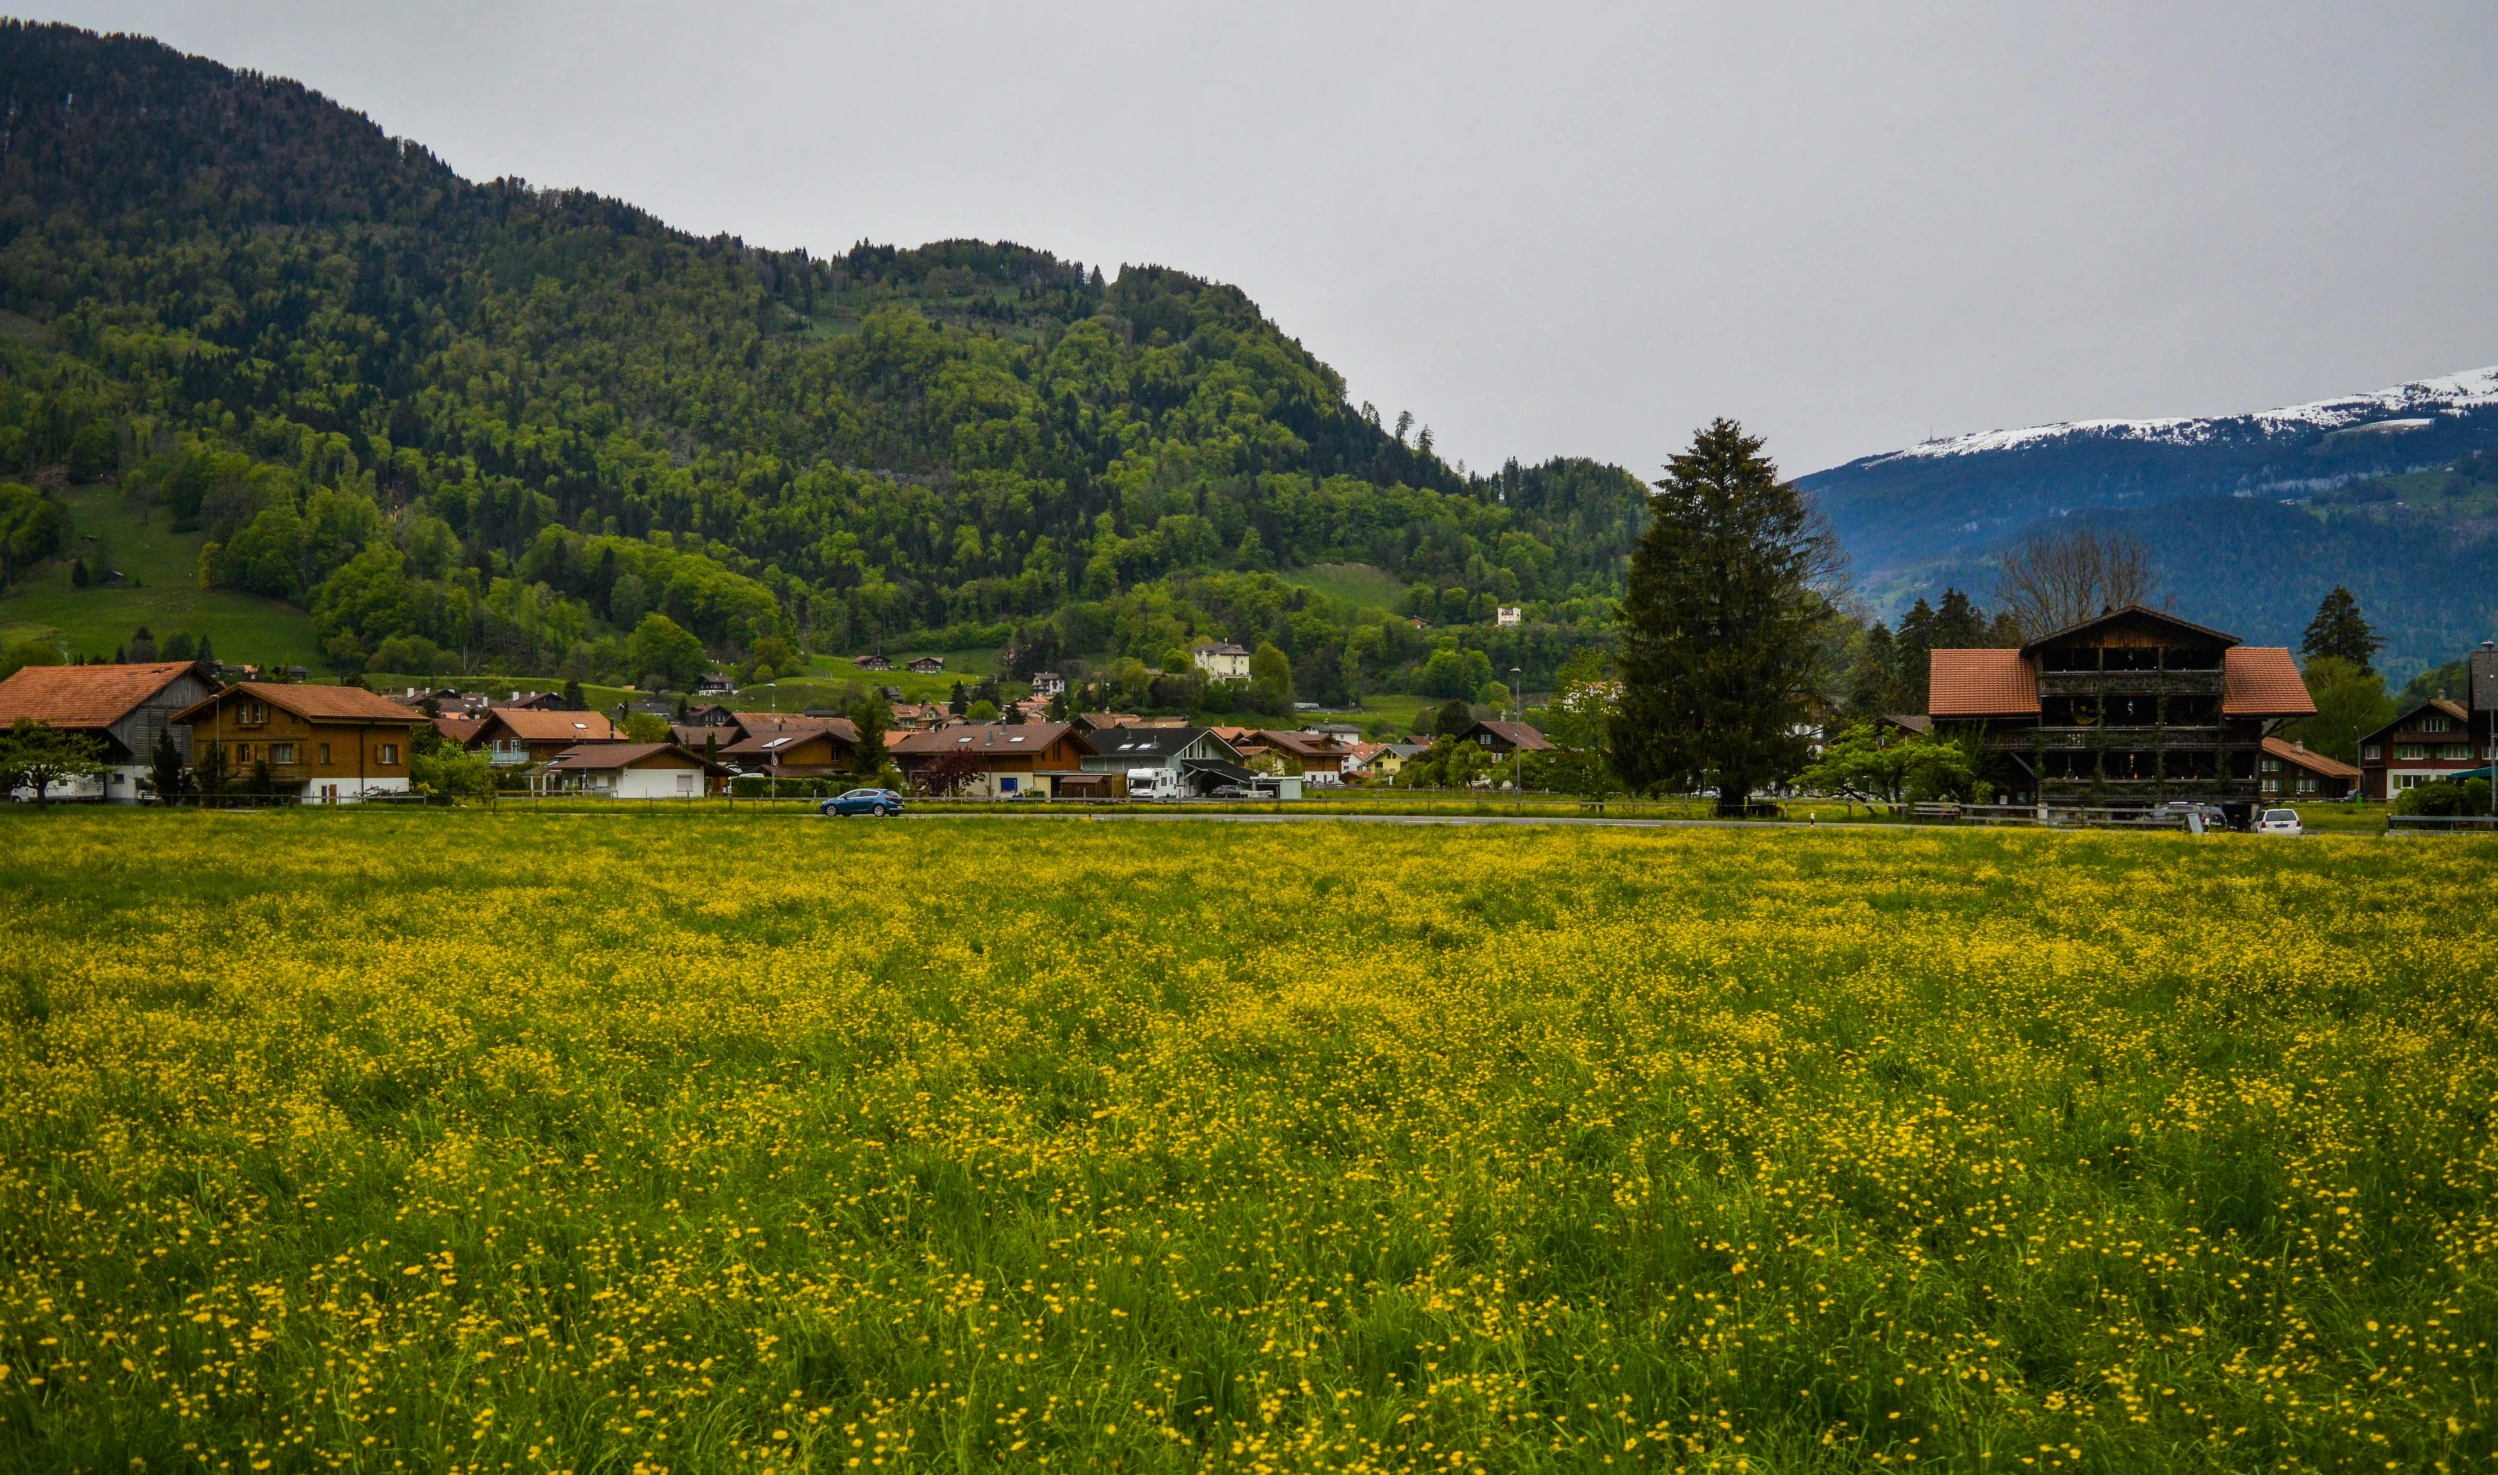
x,y
629,771
1222,662
1508,614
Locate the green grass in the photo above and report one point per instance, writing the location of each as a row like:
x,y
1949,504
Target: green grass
x,y
383,1140
1362,585
97,620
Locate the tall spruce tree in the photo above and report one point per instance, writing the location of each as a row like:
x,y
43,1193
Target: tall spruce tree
x,y
1718,632
1915,649
2340,632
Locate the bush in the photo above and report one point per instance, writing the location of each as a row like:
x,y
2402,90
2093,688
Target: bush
x,y
2445,797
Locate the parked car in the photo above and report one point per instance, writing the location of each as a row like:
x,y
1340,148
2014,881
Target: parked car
x,y
2280,822
878,802
1231,791
2196,817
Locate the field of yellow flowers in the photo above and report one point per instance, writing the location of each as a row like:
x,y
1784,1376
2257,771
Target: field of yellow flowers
x,y
465,1141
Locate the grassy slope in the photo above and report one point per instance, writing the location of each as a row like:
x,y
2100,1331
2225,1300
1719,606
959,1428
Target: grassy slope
x,y
1363,585
1167,1147
96,620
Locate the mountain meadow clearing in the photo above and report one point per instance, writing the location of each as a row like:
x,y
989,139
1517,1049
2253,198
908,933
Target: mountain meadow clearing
x,y
469,1141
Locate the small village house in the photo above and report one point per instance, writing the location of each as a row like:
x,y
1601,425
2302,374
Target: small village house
x,y
927,666
791,746
1318,759
1046,684
631,771
1509,614
1503,738
2435,740
992,760
871,663
326,744
1222,662
2291,772
1203,759
524,737
123,708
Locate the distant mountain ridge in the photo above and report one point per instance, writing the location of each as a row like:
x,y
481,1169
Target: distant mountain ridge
x,y
2319,484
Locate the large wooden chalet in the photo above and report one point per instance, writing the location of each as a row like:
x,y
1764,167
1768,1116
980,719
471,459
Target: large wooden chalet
x,y
2132,709
2438,739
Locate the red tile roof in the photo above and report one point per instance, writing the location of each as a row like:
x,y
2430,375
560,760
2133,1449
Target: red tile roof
x,y
2313,762
2263,682
984,738
782,724
83,696
1517,735
1980,683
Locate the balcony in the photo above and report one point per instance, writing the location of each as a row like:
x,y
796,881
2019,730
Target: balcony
x,y
498,757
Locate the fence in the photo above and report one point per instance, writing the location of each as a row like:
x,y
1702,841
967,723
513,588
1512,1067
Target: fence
x,y
2441,824
2051,816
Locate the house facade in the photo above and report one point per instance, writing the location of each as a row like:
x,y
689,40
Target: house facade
x,y
2291,771
2434,740
791,746
2131,709
1505,738
1197,753
1320,758
631,771
327,744
123,708
1222,662
525,737
992,760
927,666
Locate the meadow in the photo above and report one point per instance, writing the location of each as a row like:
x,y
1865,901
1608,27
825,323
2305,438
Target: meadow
x,y
487,1142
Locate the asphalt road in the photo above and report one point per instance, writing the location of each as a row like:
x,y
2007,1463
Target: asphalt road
x,y
1410,819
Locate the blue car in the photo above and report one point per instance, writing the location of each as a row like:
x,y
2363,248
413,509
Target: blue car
x,y
862,801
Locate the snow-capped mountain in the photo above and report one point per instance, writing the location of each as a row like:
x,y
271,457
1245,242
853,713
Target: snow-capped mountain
x,y
2403,408
2245,511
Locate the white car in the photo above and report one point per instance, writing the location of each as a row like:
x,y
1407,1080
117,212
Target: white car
x,y
2280,822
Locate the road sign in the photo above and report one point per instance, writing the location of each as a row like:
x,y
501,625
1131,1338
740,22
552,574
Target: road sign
x,y
2485,680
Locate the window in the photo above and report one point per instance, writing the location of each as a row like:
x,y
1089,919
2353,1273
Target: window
x,y
2454,752
2436,724
2411,752
2372,752
325,753
390,755
251,714
281,752
242,755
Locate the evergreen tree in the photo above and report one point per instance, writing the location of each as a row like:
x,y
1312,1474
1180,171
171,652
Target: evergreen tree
x,y
1718,629
1914,648
873,718
78,573
1958,624
573,700
1874,678
2340,632
165,767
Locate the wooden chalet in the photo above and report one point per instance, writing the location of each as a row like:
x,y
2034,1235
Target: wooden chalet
x,y
2437,739
790,746
1505,738
330,744
2131,709
123,708
994,760
2293,771
524,737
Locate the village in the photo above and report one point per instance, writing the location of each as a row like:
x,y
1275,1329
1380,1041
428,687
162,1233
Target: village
x,y
2121,714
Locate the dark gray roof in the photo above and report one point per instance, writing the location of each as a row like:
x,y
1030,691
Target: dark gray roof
x,y
1145,742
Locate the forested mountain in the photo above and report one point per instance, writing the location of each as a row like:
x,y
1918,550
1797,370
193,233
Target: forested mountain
x,y
512,423
2253,517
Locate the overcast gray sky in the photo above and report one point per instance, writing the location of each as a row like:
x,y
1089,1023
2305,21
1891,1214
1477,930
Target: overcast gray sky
x,y
1552,229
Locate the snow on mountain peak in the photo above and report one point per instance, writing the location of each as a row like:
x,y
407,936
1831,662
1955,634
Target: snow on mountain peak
x,y
2447,394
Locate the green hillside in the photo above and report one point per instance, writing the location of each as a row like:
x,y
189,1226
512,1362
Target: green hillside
x,y
159,591
484,427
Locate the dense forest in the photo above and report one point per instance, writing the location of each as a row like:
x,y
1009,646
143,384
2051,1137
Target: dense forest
x,y
497,427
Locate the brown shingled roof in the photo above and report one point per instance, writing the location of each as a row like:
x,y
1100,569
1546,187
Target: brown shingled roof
x,y
2263,682
532,726
1980,683
2309,759
318,703
81,697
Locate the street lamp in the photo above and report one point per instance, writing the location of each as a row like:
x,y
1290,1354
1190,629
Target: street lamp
x,y
1517,746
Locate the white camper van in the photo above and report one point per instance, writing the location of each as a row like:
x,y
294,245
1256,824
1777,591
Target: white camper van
x,y
1157,783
